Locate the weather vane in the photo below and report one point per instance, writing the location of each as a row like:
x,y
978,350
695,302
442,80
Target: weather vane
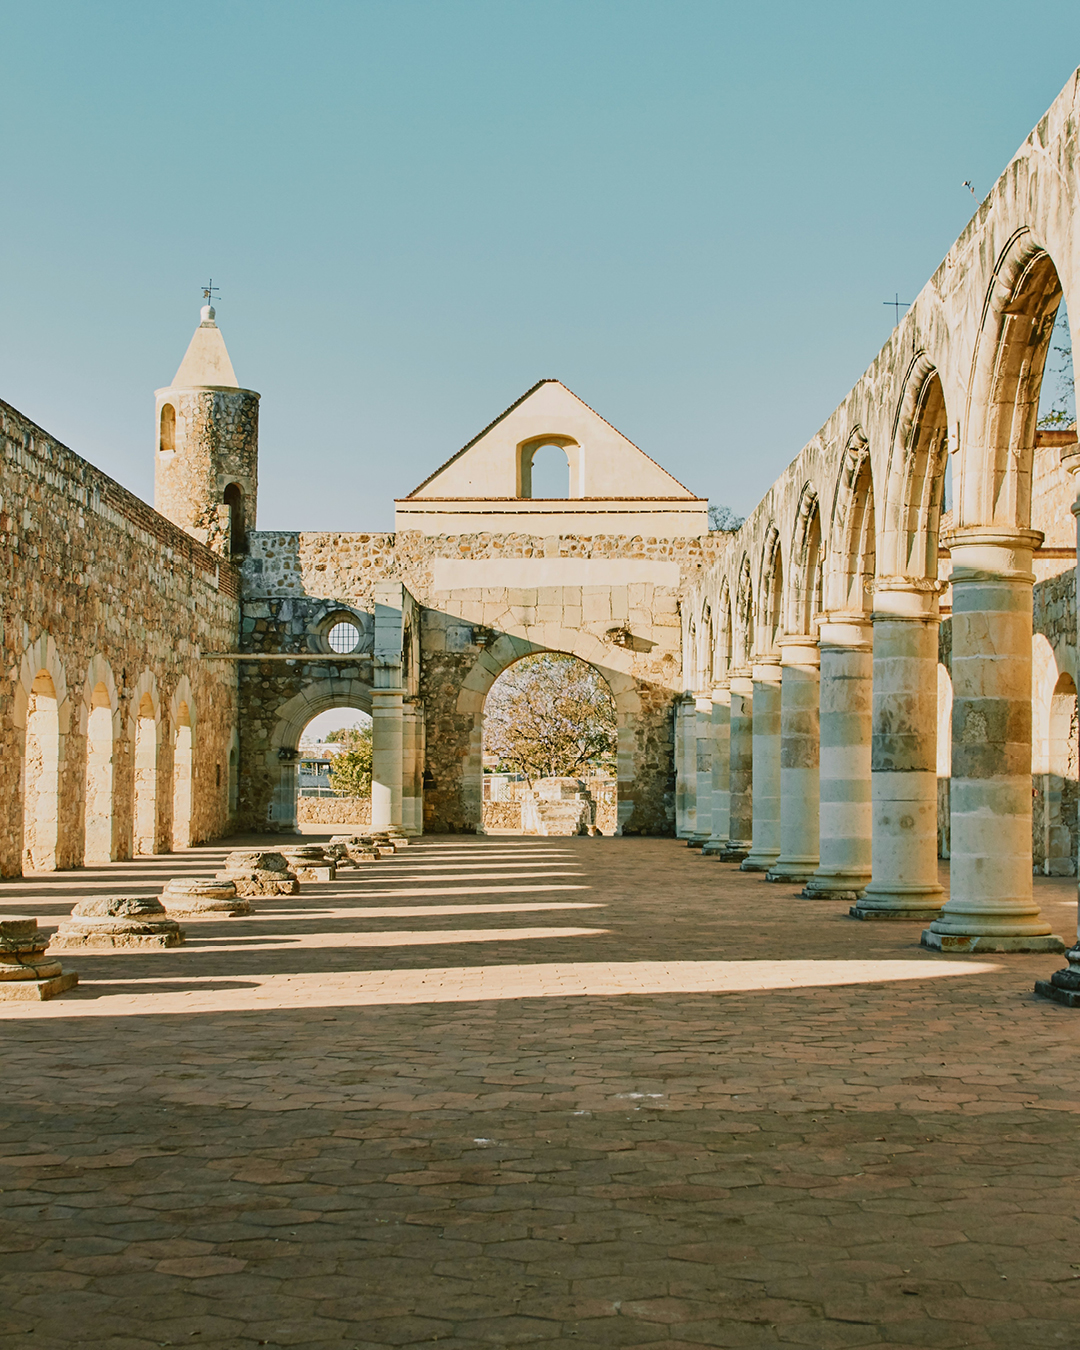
x,y
208,291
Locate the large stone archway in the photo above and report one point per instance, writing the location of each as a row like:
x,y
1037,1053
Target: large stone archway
x,y
499,657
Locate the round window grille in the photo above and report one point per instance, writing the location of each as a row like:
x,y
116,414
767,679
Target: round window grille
x,y
343,637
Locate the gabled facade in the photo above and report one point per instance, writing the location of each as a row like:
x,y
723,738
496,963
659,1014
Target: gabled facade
x,y
613,487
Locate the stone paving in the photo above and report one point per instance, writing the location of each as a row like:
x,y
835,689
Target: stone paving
x,y
553,1093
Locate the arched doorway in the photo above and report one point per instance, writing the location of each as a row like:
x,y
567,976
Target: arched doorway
x,y
1059,796
41,786
182,760
550,738
98,844
333,777
144,815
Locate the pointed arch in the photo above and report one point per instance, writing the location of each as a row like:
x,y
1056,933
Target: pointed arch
x,y
850,563
744,614
1019,311
804,600
916,475
770,592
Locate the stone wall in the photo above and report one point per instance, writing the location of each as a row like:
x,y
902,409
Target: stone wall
x,y
333,810
99,591
486,600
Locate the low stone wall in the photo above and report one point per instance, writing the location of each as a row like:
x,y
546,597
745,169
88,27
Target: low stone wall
x,y
333,810
502,815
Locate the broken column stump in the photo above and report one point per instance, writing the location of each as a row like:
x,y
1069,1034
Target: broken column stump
x,y
25,971
257,872
309,862
203,897
118,922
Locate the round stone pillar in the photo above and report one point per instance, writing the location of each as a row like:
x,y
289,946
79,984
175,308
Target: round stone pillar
x,y
721,771
765,841
1064,985
740,768
799,719
991,907
847,678
903,754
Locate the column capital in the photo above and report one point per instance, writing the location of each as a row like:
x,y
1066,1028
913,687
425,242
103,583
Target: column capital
x,y
910,599
992,553
849,630
720,685
798,649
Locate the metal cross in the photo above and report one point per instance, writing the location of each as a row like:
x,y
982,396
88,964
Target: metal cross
x,y
208,291
896,303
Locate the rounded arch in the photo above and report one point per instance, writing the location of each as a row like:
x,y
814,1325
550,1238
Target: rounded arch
x,y
278,765
850,560
611,661
915,475
102,724
526,455
1020,307
182,711
145,731
41,713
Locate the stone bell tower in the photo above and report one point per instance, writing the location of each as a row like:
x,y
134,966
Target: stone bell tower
x,y
206,466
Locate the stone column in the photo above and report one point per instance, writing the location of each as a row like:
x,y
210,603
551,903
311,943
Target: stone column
x,y
741,767
847,679
1064,985
386,758
412,766
721,771
685,767
991,907
903,754
799,717
703,760
765,844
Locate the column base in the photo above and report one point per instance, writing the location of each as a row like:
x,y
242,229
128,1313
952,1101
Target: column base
x,y
792,869
1069,998
836,886
713,848
990,942
758,861
906,904
734,851
693,842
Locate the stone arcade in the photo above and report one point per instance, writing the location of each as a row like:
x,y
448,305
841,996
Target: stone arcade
x,y
861,679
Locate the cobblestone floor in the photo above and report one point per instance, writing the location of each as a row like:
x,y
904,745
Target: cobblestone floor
x,y
553,1093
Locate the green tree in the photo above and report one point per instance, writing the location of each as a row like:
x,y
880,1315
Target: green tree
x,y
551,716
724,518
1062,412
350,773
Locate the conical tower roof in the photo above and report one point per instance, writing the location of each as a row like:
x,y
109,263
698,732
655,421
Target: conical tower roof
x,y
206,361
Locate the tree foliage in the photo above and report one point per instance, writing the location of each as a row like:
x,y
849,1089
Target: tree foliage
x,y
350,773
551,716
724,518
1062,411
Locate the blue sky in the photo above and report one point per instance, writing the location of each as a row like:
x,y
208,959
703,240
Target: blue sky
x,y
690,213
